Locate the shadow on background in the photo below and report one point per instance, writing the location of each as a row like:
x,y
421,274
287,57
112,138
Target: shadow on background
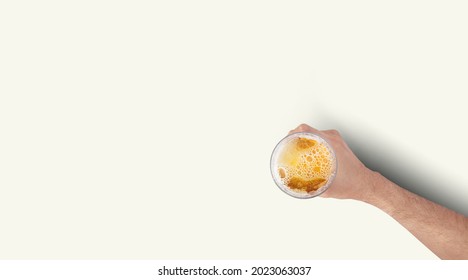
x,y
410,173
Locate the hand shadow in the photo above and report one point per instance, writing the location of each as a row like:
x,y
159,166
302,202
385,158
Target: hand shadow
x,y
410,173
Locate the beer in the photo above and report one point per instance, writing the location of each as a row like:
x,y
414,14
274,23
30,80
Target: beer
x,y
303,165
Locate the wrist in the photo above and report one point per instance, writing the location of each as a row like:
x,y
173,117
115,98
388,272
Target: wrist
x,y
369,185
380,192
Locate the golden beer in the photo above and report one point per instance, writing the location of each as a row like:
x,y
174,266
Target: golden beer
x,y
303,165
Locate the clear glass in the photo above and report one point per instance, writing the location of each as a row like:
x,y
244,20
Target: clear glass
x,y
274,167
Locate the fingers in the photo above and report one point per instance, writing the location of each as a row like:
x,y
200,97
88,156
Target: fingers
x,y
325,194
304,128
332,132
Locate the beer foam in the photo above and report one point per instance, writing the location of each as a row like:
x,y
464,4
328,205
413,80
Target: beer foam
x,y
305,164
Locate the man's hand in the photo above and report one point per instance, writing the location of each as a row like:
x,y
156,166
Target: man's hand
x,y
353,180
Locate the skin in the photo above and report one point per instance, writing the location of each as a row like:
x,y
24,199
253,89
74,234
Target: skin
x,y
442,230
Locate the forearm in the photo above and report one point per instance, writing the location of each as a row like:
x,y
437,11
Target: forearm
x,y
442,230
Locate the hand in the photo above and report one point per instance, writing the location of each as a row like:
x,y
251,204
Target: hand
x,y
353,180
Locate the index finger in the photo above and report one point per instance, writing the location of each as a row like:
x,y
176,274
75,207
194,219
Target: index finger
x,y
304,128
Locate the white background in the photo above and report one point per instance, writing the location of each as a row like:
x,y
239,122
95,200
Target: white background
x,y
143,129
